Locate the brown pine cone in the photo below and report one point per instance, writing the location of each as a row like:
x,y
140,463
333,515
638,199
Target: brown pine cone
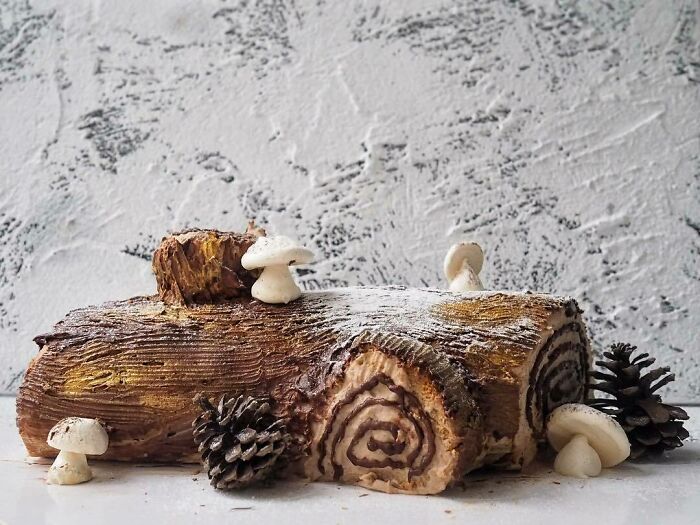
x,y
651,426
240,439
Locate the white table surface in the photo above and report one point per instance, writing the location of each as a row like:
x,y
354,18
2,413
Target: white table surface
x,y
664,491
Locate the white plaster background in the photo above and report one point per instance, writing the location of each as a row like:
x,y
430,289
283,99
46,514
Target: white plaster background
x,y
563,136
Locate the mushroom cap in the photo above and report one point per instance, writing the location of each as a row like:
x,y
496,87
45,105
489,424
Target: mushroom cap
x,y
80,435
275,250
603,433
456,256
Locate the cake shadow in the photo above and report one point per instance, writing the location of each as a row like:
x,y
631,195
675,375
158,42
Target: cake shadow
x,y
492,485
483,485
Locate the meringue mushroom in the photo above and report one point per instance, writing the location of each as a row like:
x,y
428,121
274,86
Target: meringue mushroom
x,y
275,255
75,437
462,265
586,439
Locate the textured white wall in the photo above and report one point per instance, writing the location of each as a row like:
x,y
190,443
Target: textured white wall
x,y
563,136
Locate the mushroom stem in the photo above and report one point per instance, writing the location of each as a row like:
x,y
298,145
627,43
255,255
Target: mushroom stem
x,y
578,459
276,285
467,280
69,468
591,438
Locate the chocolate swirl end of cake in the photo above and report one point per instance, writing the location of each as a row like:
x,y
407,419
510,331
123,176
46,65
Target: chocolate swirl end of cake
x,y
396,428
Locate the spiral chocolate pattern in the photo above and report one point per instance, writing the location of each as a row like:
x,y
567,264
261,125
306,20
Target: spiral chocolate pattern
x,y
399,435
558,375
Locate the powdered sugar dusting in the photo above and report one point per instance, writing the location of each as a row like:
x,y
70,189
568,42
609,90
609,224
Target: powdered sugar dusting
x,y
411,312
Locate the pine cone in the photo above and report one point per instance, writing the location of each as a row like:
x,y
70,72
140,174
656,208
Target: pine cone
x,y
651,425
240,440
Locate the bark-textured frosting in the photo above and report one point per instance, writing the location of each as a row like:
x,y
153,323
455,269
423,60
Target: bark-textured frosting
x,y
473,374
203,266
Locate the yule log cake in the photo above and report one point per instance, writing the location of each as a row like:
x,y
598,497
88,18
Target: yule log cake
x,y
395,389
